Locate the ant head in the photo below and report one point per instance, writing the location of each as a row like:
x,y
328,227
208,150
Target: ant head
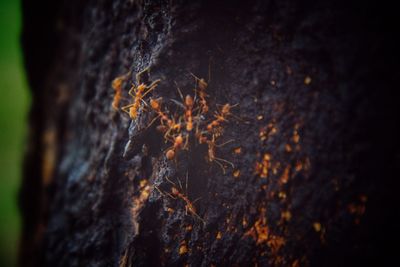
x,y
155,104
179,139
174,191
212,125
170,154
189,126
189,101
117,83
267,157
226,108
141,87
202,84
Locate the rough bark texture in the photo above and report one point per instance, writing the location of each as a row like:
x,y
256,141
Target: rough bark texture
x,y
310,80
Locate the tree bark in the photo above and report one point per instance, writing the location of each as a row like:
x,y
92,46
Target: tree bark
x,y
314,142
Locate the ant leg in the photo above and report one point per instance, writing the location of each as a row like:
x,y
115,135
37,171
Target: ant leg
x,y
179,104
149,90
167,134
227,142
196,109
171,147
140,74
221,105
180,93
129,73
195,96
153,121
164,193
169,139
159,190
239,119
179,182
180,120
201,219
144,102
220,165
132,91
199,112
197,199
195,81
197,130
224,160
155,83
187,181
193,211
185,147
168,180
194,76
127,107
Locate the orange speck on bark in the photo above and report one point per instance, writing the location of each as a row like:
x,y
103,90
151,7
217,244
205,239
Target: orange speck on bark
x,y
307,80
317,226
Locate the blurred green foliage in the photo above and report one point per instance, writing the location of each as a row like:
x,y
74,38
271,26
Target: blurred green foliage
x,y
14,101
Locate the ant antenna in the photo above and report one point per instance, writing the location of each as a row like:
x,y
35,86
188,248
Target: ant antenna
x,y
179,182
164,193
139,74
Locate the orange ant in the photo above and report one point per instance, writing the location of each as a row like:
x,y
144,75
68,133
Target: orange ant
x,y
171,124
187,105
189,102
220,116
188,204
117,86
175,193
200,136
211,153
138,93
178,144
155,104
202,94
172,127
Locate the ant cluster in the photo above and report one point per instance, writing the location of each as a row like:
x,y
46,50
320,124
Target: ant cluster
x,y
193,120
136,92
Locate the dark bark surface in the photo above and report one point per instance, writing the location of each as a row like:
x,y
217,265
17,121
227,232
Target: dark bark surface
x,y
312,82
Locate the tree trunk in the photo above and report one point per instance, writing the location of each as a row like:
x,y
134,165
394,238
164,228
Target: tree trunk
x,y
310,136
